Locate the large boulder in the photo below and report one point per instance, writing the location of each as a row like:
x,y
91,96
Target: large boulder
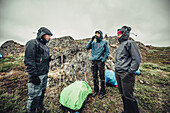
x,y
11,48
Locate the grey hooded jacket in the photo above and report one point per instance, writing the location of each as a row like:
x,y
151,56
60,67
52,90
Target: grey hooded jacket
x,y
127,56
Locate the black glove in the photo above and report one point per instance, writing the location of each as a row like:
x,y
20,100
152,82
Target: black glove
x,y
35,80
94,37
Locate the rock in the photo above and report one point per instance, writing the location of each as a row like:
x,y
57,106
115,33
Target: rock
x,y
11,48
142,81
74,51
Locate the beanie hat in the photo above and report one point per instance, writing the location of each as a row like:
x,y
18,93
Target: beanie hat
x,y
119,32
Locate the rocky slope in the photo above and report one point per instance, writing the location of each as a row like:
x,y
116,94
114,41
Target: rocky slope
x,y
74,51
151,88
11,48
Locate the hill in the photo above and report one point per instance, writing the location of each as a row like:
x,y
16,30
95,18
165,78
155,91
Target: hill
x,y
152,86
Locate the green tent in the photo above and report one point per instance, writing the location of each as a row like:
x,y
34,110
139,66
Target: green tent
x,y
74,95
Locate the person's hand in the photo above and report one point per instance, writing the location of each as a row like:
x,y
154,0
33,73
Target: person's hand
x,y
94,37
36,80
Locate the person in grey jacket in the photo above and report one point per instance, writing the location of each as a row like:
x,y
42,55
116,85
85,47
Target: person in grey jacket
x,y
99,54
127,61
37,62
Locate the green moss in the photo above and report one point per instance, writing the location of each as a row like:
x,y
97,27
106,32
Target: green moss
x,y
152,50
10,103
10,63
153,66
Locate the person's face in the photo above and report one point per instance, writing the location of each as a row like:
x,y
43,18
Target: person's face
x,y
119,35
98,35
47,37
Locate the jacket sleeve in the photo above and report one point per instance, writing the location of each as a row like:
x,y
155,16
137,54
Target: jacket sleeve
x,y
106,52
89,45
136,58
30,55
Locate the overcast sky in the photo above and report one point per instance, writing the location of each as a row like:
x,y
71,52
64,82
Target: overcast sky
x,y
149,19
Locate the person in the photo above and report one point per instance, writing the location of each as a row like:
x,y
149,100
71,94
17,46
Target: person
x,y
37,62
99,54
127,61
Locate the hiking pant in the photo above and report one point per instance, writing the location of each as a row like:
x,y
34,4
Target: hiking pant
x,y
98,66
126,83
36,94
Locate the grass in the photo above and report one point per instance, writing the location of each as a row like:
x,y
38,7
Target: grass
x,y
12,103
151,51
152,93
11,62
13,93
158,55
150,65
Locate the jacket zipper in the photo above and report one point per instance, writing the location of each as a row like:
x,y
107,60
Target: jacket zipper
x,y
41,57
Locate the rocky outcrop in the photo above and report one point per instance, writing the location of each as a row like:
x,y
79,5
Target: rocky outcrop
x,y
74,52
11,48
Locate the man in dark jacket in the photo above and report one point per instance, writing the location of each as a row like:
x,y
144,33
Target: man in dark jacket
x,y
37,63
100,52
127,61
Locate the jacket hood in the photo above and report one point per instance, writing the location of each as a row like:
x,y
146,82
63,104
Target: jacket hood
x,y
126,33
123,38
41,32
101,36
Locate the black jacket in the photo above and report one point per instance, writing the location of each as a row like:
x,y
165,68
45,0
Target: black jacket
x,y
127,56
37,54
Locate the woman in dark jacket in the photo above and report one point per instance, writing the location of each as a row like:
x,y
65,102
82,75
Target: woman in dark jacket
x,y
127,61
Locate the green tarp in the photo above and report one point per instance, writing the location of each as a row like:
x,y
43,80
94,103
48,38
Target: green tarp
x,y
74,95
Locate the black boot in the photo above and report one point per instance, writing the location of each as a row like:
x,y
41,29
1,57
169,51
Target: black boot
x,y
102,93
101,96
94,94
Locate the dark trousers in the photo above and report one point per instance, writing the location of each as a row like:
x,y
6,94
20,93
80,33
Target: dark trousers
x,y
126,84
98,66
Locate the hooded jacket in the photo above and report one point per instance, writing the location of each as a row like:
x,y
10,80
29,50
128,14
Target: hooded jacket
x,y
100,48
37,54
127,56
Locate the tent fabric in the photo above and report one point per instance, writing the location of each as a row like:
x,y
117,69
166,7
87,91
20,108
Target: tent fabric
x,y
0,55
110,77
74,95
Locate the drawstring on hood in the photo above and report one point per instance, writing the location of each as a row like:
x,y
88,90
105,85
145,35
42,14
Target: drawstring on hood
x,y
41,32
101,36
126,32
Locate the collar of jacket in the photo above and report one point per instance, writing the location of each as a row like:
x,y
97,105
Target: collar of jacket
x,y
123,38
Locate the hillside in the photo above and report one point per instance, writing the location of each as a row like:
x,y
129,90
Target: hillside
x,y
152,86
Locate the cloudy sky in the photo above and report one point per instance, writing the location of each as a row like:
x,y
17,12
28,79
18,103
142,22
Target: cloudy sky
x,y
149,19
